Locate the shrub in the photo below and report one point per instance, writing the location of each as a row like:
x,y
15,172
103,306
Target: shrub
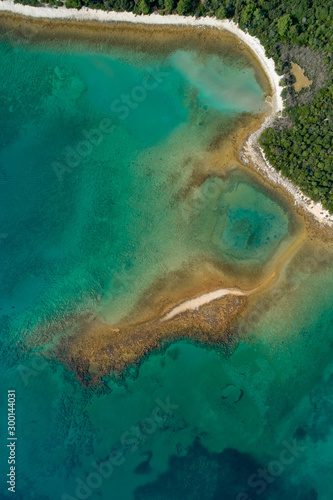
x,y
73,4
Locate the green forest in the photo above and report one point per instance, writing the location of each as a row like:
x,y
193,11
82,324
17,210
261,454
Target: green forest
x,y
300,144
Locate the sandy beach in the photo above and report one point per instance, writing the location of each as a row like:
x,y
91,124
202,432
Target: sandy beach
x,y
251,151
86,14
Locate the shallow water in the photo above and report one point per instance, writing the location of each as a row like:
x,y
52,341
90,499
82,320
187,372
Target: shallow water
x,y
190,422
91,227
96,148
240,222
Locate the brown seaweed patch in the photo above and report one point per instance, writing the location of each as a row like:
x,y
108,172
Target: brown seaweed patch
x,y
96,349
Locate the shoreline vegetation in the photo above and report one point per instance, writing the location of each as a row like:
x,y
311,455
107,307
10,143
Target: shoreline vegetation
x,y
257,149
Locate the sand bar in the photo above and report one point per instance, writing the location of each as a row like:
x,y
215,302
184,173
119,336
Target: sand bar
x,y
196,302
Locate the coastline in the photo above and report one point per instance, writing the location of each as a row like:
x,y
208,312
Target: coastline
x,y
86,14
251,151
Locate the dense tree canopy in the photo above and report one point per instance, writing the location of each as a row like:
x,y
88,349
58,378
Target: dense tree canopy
x,y
304,151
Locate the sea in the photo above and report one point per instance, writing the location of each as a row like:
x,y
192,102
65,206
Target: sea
x,y
100,153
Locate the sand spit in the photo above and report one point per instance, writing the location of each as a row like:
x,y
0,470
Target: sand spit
x,y
196,302
95,349
205,298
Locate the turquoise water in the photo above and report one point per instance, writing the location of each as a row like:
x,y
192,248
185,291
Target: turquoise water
x,y
189,422
240,222
92,212
96,149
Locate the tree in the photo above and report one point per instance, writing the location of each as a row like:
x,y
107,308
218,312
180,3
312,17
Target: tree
x,y
144,8
168,5
284,24
221,12
183,7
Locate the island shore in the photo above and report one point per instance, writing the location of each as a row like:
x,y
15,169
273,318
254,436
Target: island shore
x,y
251,151
86,14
